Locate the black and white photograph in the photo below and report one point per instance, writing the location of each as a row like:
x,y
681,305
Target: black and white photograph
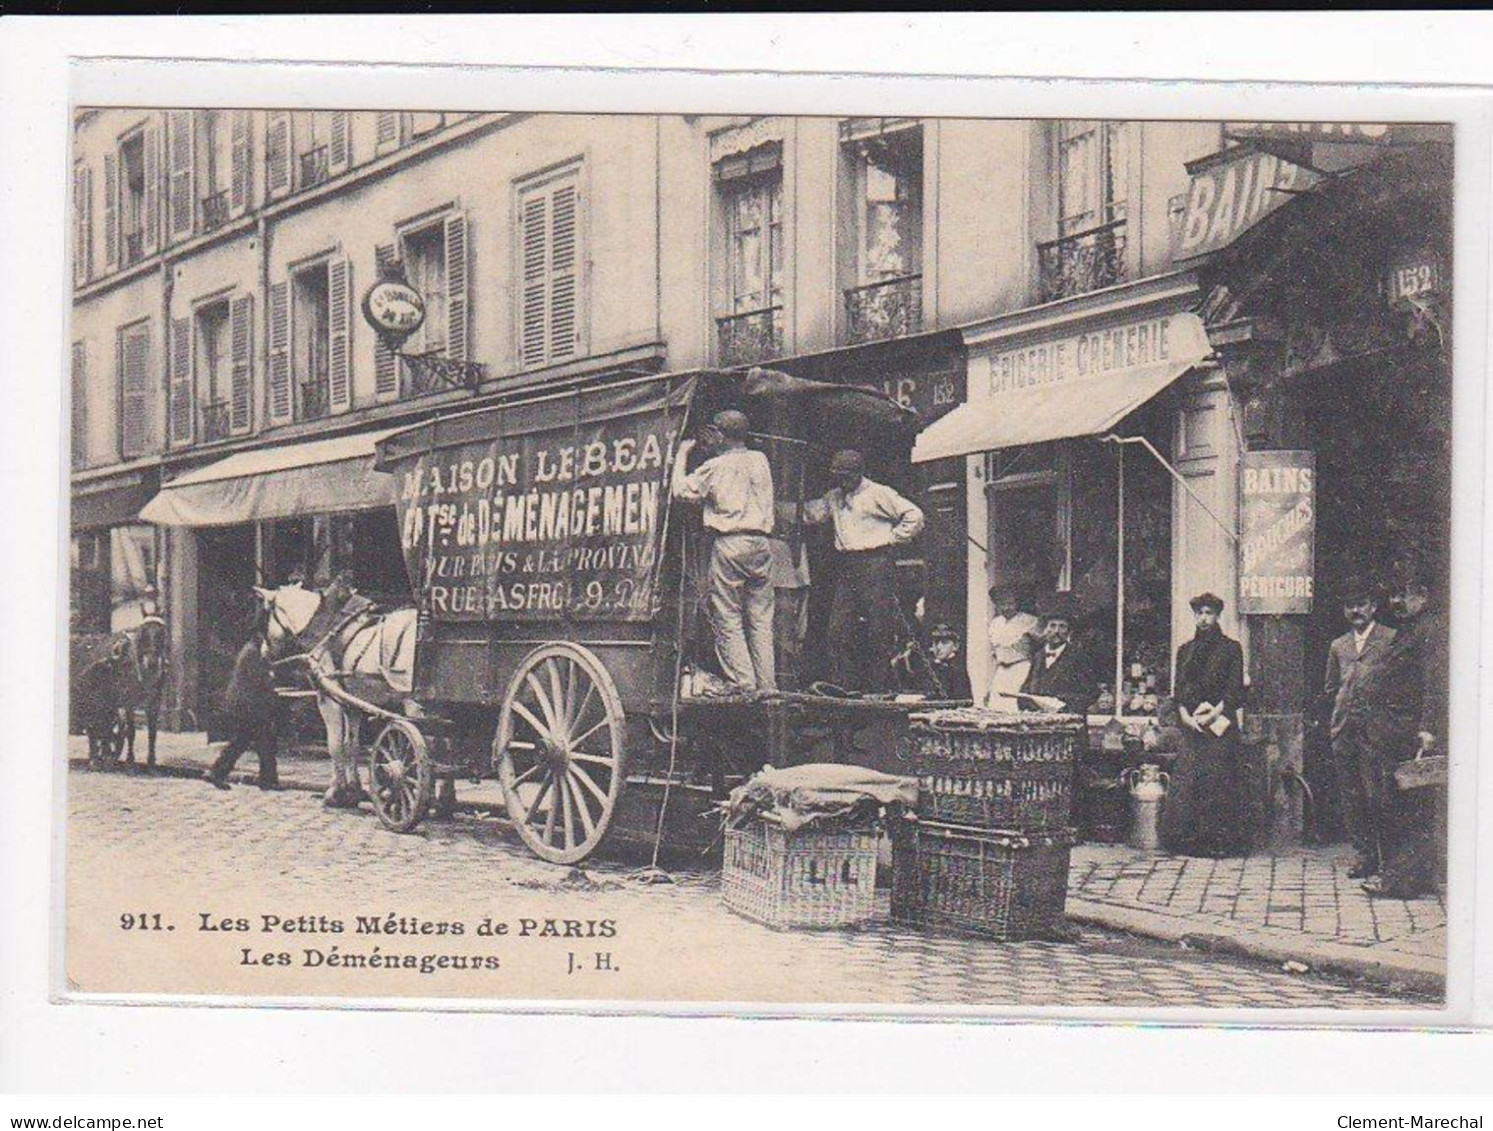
x,y
793,559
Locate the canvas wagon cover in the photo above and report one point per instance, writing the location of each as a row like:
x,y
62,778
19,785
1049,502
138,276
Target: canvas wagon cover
x,y
547,509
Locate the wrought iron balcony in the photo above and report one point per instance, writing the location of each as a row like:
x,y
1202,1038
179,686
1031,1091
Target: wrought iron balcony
x,y
753,336
216,421
314,399
314,166
133,248
1082,262
215,210
892,308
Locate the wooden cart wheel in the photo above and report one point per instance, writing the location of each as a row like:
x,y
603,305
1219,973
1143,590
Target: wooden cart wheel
x,y
400,777
560,751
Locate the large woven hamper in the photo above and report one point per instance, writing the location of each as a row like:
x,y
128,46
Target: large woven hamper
x,y
805,878
985,771
1003,885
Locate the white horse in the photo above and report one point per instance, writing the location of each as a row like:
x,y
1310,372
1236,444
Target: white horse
x,y
369,654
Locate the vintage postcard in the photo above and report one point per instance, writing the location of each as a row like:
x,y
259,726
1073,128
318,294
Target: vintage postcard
x,y
761,561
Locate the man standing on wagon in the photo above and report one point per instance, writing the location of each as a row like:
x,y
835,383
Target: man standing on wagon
x,y
870,521
735,487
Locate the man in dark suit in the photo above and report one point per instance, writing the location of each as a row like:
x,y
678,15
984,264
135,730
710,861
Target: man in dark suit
x,y
1061,678
1363,731
251,712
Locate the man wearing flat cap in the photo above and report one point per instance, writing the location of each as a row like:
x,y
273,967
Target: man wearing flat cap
x,y
1362,728
1205,813
1061,678
870,522
734,485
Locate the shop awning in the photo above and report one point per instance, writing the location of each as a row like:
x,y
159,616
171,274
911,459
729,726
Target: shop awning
x,y
318,477
113,501
1065,387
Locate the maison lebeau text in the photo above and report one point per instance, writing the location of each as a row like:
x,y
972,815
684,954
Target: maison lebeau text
x,y
564,522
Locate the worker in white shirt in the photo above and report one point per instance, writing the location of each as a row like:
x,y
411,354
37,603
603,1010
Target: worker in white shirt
x,y
735,487
1013,640
870,521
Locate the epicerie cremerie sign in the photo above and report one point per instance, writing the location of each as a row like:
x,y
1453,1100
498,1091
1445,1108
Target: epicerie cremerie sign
x,y
1107,352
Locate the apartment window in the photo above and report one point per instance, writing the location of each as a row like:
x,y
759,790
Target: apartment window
x,y
884,158
216,169
750,191
314,137
424,255
1089,251
136,389
132,211
552,309
310,341
214,357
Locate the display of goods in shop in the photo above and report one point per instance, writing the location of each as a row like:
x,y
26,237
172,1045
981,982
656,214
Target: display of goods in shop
x,y
808,878
1003,885
994,771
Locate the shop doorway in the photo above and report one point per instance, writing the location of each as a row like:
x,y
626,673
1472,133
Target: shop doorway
x,y
226,605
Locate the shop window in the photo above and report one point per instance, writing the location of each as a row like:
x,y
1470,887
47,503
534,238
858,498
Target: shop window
x,y
884,160
552,305
1030,517
310,341
1092,159
88,589
132,567
750,191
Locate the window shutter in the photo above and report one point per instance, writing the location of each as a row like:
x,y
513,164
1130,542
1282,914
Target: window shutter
x,y
282,405
564,280
456,287
386,131
535,224
80,254
181,408
87,222
111,211
339,335
239,189
385,369
339,155
135,392
277,154
241,342
151,223
80,404
179,145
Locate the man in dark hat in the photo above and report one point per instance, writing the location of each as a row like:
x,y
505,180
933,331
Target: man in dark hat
x,y
1205,813
1061,678
250,711
734,485
870,520
1362,728
1416,690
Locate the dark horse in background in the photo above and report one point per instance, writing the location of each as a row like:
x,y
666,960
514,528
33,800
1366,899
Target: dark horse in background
x,y
114,677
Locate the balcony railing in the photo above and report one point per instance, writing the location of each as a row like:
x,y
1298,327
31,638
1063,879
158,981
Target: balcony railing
x,y
755,335
133,249
314,400
215,210
216,421
314,166
892,308
1082,262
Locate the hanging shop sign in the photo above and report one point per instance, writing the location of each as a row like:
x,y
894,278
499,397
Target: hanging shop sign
x,y
1226,199
1277,536
394,309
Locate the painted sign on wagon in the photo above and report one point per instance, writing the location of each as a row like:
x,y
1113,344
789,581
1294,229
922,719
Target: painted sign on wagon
x,y
1278,522
558,522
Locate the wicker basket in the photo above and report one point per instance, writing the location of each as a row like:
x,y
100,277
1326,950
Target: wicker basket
x,y
1003,885
807,878
999,776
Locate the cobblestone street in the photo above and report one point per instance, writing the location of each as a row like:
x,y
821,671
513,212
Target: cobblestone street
x,y
193,848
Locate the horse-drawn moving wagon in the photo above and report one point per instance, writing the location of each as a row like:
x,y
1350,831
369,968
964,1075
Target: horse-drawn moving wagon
x,y
555,591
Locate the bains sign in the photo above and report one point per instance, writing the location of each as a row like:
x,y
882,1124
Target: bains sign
x,y
1229,197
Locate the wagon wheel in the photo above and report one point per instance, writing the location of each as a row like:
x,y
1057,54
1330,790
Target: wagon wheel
x,y
400,778
560,751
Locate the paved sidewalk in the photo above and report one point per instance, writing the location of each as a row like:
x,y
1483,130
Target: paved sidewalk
x,y
1297,906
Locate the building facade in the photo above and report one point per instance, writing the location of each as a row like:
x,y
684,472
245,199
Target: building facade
x,y
957,264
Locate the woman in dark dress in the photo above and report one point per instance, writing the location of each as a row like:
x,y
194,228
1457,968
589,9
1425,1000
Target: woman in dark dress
x,y
1207,810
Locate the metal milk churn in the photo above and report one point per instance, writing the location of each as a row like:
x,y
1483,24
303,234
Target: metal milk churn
x,y
1147,785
